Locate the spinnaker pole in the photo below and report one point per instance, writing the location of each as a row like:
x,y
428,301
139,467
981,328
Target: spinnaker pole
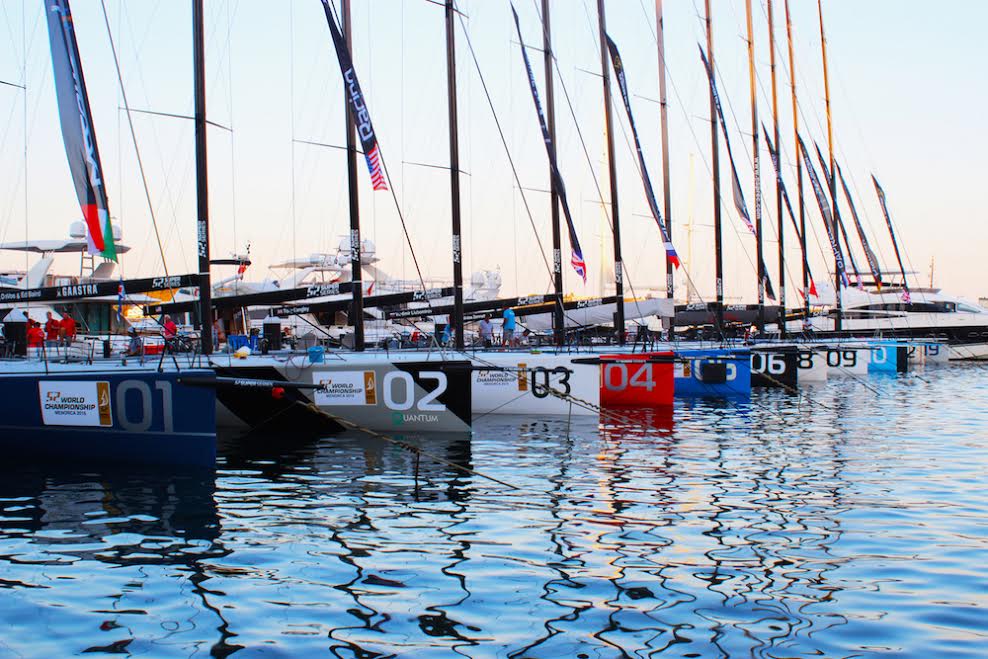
x,y
799,166
558,322
612,174
756,170
715,172
356,271
202,187
664,122
454,177
833,178
778,176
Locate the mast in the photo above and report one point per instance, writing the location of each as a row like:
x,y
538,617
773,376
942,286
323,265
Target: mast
x,y
799,166
833,178
557,253
202,187
666,191
612,173
715,160
356,271
778,176
454,177
756,171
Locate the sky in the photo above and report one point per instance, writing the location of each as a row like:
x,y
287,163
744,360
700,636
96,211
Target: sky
x,y
907,83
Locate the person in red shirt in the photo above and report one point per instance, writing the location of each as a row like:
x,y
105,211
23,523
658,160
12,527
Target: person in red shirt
x,y
169,331
67,327
52,328
35,335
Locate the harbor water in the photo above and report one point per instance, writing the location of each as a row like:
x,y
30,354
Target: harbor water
x,y
849,520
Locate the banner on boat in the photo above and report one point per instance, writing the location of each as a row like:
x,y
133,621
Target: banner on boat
x,y
895,243
74,403
355,98
739,202
78,132
576,254
828,220
646,180
346,388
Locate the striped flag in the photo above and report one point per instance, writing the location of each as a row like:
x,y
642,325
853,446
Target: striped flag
x,y
355,98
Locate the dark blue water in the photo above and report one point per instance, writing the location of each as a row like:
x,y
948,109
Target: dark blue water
x,y
844,523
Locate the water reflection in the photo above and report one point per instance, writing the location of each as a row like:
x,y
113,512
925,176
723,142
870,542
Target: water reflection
x,y
781,526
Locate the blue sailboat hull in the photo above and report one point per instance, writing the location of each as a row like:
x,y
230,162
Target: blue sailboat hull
x,y
713,372
102,415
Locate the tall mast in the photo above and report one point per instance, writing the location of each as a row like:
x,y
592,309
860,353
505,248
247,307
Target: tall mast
x,y
715,161
612,173
778,176
833,177
454,176
557,254
664,116
202,187
356,271
755,164
799,166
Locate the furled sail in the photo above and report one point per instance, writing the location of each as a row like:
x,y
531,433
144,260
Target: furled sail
x,y
876,270
78,132
774,154
828,219
739,202
895,243
649,193
355,97
576,254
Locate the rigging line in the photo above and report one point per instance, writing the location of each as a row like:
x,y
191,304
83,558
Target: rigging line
x,y
504,141
233,153
12,84
133,136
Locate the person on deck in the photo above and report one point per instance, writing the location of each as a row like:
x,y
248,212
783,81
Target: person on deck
x,y
67,329
35,335
169,332
135,347
52,329
508,328
487,331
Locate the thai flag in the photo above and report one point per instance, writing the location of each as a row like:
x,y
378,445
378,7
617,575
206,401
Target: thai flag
x,y
576,260
374,166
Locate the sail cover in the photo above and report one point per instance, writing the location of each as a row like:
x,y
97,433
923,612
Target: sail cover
x,y
895,243
671,255
739,202
78,132
828,177
828,219
361,116
576,254
774,154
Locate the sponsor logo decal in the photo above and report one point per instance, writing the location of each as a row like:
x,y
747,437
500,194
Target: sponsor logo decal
x,y
74,403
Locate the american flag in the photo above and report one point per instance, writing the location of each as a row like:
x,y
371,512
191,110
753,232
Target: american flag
x,y
576,260
376,172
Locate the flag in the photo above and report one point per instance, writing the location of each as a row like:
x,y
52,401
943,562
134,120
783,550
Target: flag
x,y
774,154
895,244
355,98
241,269
78,132
828,220
671,255
576,254
739,203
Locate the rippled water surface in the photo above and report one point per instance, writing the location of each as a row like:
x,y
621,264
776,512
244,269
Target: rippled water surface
x,y
844,523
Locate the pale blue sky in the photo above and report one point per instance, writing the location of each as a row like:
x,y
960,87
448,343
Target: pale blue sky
x,y
908,94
